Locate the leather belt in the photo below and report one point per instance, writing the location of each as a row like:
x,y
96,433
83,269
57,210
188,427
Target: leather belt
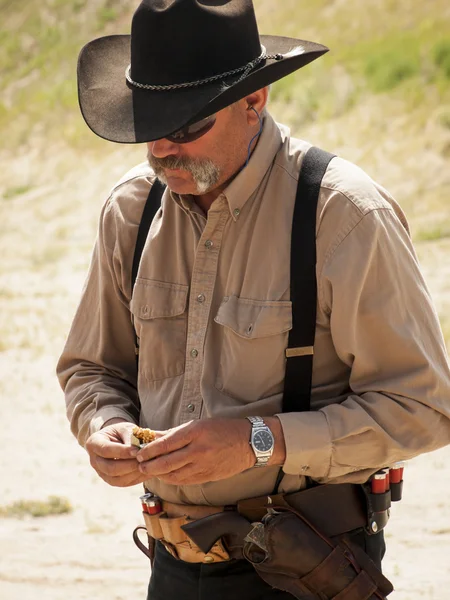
x,y
333,509
191,511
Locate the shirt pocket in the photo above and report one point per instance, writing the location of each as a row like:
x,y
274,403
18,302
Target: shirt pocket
x,y
254,339
160,320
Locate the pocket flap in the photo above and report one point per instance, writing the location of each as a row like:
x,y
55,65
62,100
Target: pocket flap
x,y
254,318
158,299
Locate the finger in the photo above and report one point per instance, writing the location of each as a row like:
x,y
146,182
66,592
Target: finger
x,y
187,475
114,468
99,445
124,480
166,463
169,442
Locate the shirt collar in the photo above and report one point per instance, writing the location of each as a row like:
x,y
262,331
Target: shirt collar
x,y
247,181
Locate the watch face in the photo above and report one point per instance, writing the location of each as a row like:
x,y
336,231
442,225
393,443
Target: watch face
x,y
263,441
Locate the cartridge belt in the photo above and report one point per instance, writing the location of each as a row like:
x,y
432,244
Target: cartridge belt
x,y
334,509
166,527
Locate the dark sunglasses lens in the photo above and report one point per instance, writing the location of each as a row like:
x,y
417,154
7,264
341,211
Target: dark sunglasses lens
x,y
193,132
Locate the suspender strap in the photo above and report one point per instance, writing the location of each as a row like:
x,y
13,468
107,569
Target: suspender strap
x,y
299,354
151,207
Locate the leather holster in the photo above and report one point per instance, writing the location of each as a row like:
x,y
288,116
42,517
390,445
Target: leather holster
x,y
290,554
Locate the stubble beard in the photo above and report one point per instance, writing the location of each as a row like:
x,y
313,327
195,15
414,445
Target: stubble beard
x,y
204,172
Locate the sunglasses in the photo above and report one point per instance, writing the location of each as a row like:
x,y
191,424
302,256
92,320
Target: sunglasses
x,y
189,133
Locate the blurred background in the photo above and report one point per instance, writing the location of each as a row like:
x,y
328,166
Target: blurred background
x,y
380,98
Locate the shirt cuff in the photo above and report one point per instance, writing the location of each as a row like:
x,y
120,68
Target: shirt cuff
x,y
308,444
105,414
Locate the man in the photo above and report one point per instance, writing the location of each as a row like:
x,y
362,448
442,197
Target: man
x,y
211,304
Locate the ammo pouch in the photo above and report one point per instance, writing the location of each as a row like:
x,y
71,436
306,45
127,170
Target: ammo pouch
x,y
290,554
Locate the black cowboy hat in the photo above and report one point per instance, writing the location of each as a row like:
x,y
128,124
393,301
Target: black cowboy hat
x,y
184,60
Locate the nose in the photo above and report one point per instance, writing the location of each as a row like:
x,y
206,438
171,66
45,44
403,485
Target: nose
x,y
162,148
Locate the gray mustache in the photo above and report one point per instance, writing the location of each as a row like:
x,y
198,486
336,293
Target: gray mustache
x,y
171,162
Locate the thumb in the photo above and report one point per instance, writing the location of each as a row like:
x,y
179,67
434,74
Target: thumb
x,y
166,442
101,444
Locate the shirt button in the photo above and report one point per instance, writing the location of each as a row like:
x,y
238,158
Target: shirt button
x,y
236,212
305,468
194,353
209,244
190,407
201,298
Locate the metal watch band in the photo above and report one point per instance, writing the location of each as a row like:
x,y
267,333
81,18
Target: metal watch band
x,y
262,458
256,420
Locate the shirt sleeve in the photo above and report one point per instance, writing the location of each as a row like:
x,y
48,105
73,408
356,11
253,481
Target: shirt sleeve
x,y
97,369
385,328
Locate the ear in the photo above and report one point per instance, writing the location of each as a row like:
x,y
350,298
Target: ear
x,y
258,101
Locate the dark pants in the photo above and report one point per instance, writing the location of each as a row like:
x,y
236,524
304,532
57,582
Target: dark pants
x,y
174,579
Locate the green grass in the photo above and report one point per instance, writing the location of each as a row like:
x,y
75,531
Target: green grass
x,y
445,324
40,42
385,69
388,61
441,56
376,48
105,15
323,92
54,505
431,234
12,192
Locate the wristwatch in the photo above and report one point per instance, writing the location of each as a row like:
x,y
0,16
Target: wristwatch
x,y
261,440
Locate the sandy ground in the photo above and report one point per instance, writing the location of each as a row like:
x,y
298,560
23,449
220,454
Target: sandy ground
x,y
47,233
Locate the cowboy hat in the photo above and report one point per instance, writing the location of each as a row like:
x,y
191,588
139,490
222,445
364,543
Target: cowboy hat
x,y
184,60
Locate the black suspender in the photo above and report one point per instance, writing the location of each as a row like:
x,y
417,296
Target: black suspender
x,y
299,354
152,204
151,207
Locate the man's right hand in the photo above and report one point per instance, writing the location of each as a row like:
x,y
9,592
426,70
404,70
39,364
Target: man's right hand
x,y
112,455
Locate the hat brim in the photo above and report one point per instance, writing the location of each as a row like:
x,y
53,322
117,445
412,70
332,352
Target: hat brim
x,y
119,112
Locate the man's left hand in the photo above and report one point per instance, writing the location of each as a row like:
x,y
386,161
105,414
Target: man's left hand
x,y
199,451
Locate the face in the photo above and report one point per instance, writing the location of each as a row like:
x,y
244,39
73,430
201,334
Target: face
x,y
208,162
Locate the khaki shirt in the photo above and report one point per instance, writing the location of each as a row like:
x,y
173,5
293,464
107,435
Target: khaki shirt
x,y
211,307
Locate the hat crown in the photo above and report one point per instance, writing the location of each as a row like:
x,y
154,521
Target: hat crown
x,y
177,41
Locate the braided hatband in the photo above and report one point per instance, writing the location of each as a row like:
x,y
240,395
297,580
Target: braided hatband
x,y
175,86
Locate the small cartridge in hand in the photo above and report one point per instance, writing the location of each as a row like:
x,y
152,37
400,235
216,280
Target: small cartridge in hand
x,y
142,436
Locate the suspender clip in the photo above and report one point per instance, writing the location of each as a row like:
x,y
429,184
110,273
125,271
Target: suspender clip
x,y
304,351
